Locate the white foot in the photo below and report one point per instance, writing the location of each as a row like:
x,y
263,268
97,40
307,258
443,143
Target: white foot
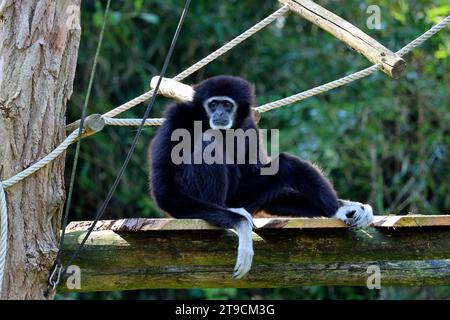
x,y
245,249
355,214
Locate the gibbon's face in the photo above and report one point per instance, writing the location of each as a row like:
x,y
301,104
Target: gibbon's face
x,y
225,101
221,111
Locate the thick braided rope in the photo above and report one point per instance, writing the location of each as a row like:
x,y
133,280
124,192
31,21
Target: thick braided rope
x,y
231,44
3,233
320,89
200,64
13,180
43,162
424,37
311,92
133,122
354,76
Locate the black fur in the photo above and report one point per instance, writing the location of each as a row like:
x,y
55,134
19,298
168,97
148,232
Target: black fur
x,y
206,191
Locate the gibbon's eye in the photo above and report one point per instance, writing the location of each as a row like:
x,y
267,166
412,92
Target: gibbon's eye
x,y
227,105
213,105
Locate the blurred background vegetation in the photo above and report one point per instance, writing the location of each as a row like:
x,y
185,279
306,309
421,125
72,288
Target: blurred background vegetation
x,y
380,141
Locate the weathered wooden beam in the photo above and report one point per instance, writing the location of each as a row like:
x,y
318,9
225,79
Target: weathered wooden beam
x,y
392,64
167,253
146,224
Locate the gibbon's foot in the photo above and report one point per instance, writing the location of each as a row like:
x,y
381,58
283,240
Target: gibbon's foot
x,y
247,215
355,214
245,249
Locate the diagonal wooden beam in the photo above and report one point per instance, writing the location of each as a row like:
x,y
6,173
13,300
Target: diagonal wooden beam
x,y
391,63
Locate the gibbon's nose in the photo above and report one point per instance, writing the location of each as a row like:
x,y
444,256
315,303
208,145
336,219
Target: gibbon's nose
x,y
220,112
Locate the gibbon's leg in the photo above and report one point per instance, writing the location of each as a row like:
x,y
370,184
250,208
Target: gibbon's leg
x,y
199,192
293,175
237,219
301,177
245,243
293,204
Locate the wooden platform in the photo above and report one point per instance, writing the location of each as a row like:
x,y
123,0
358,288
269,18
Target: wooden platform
x,y
138,253
146,224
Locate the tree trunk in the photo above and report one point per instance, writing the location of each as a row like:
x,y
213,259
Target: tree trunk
x,y
38,52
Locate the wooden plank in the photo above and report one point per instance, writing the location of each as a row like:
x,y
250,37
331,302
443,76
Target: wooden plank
x,y
412,221
147,224
402,273
392,64
283,258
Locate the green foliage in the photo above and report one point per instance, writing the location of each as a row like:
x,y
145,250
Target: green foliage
x,y
380,141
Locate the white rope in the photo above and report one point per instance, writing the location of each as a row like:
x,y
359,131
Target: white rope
x,y
336,83
424,37
12,181
133,122
231,44
296,97
43,162
320,89
354,76
3,233
200,64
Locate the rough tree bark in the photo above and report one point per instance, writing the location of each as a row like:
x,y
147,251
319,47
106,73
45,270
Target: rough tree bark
x,y
38,51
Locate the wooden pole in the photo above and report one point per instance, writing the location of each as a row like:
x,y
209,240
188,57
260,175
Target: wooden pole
x,y
392,64
134,254
173,89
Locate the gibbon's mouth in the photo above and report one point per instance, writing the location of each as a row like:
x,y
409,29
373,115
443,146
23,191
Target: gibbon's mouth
x,y
220,124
